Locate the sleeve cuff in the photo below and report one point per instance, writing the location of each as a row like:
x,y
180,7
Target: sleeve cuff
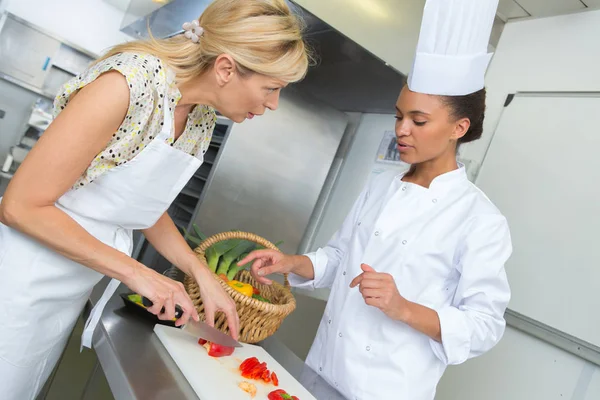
x,y
456,339
319,261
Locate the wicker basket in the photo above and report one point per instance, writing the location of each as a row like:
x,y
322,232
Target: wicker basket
x,y
258,319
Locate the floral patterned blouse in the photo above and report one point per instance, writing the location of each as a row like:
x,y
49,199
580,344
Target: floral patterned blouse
x,y
149,82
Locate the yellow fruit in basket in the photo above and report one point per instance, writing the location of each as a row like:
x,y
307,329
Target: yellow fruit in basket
x,y
243,288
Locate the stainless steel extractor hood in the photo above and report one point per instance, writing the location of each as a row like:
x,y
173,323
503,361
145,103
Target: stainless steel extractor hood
x,y
347,77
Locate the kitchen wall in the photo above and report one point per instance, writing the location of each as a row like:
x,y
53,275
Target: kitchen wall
x,y
558,54
358,166
93,25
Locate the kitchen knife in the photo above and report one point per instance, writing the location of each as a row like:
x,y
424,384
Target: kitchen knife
x,y
203,330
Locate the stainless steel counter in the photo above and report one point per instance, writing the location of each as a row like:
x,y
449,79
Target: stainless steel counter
x,y
137,366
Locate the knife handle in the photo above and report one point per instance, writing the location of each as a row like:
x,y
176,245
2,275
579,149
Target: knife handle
x,y
148,303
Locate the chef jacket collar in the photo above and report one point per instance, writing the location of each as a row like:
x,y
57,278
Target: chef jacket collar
x,y
444,182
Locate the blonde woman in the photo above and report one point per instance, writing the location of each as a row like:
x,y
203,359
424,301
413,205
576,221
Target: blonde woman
x,y
128,134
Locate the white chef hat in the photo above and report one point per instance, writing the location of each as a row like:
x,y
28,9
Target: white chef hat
x,y
452,54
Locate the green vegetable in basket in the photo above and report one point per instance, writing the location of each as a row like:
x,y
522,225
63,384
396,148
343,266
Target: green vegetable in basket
x,y
260,298
201,235
244,246
235,268
195,240
214,252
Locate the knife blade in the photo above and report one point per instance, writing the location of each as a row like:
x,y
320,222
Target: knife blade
x,y
203,330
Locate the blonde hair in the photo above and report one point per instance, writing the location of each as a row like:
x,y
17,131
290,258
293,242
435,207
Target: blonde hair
x,y
262,36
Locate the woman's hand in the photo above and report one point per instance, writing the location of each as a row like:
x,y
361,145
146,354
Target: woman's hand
x,y
380,290
162,292
215,299
267,262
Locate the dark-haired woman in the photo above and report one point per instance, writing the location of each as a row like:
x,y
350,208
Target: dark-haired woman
x,y
417,268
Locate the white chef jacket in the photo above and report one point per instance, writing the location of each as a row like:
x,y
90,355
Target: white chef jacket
x,y
445,246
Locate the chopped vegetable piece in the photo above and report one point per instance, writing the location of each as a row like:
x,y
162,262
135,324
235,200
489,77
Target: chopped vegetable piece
x,y
248,388
274,378
258,370
266,376
215,349
248,363
281,394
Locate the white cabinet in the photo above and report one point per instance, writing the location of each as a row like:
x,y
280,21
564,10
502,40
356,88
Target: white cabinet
x,y
25,53
509,9
544,8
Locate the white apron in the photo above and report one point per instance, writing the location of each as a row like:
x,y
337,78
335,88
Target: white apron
x,y
43,293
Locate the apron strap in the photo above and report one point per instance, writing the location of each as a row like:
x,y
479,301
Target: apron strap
x,y
92,321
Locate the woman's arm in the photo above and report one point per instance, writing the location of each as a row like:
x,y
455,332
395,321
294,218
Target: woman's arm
x,y
59,158
166,239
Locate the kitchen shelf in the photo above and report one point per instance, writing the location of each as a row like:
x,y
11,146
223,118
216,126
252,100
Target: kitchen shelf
x,y
191,193
180,223
186,208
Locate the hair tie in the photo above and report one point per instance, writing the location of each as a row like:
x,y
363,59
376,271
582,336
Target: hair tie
x,y
193,30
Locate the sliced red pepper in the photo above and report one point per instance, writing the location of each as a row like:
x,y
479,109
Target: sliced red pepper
x,y
266,376
257,372
274,378
281,394
246,375
255,290
276,394
201,342
248,368
248,362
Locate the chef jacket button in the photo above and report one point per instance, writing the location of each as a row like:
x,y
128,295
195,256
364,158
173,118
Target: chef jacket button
x,y
336,384
320,369
344,273
404,188
434,201
340,334
404,242
376,233
359,223
329,321
368,348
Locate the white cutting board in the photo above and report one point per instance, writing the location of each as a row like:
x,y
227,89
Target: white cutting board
x,y
218,378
